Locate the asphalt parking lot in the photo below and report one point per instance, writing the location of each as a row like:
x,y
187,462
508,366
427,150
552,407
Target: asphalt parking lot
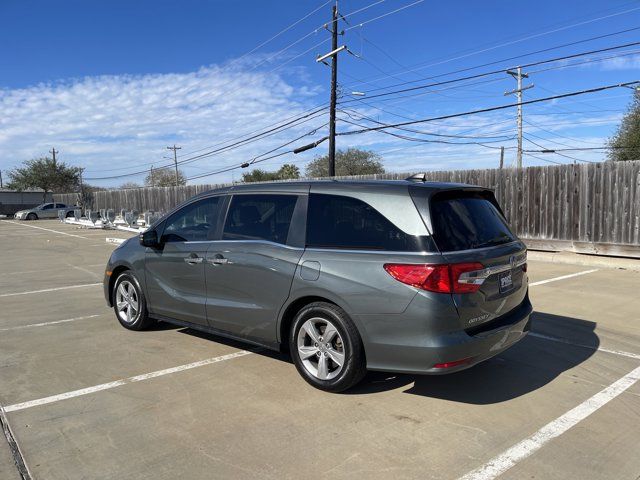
x,y
86,398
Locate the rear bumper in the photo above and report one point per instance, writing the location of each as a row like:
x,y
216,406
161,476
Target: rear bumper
x,y
420,353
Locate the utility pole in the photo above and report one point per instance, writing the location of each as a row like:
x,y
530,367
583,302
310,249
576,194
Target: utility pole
x,y
175,159
501,157
1,179
151,179
518,75
53,152
334,83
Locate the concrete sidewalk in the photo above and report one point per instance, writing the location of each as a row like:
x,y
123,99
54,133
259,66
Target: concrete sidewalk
x,y
599,261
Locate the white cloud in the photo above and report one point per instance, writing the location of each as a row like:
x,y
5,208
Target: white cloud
x,y
112,122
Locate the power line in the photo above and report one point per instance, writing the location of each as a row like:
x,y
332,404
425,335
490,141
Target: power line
x,y
384,15
272,131
529,37
507,59
493,72
495,108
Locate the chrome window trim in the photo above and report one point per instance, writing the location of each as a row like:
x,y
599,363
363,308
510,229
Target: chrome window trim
x,y
364,250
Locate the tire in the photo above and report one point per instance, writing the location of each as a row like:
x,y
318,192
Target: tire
x,y
32,216
317,358
129,303
69,215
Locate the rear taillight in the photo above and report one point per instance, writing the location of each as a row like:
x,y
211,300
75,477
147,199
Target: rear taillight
x,y
435,278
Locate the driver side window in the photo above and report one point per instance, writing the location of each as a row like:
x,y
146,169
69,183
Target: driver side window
x,y
194,222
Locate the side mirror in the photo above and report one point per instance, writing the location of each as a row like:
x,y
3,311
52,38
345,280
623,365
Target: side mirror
x,y
149,239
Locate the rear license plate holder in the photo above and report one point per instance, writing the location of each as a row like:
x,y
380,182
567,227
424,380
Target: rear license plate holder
x,y
505,282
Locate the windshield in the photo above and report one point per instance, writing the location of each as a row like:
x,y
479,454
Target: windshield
x,y
466,221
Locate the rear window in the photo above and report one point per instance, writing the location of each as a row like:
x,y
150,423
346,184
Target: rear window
x,y
335,221
464,221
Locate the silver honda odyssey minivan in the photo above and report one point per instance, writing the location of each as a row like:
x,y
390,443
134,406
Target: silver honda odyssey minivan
x,y
348,276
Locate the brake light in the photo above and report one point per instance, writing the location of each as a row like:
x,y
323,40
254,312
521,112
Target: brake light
x,y
441,278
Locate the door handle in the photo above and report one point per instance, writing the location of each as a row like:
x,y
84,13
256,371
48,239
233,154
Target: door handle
x,y
193,260
218,260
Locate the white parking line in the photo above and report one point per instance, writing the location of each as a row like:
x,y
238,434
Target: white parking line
x,y
50,289
503,462
563,277
124,381
46,324
600,349
46,229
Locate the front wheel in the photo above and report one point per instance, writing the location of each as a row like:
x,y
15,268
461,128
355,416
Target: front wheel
x,y
129,303
326,347
32,216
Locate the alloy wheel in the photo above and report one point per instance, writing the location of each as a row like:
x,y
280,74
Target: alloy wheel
x,y
127,302
320,348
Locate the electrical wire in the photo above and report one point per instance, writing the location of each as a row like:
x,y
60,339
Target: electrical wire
x,y
507,59
529,37
494,72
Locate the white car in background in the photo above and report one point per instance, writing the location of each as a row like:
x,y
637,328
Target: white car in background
x,y
45,210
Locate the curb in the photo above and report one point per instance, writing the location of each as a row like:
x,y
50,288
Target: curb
x,y
586,260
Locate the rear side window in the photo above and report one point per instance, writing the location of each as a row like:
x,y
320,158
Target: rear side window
x,y
259,217
335,221
465,221
194,222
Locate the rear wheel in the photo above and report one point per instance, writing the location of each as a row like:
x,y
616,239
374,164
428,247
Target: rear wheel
x,y
129,303
32,216
69,215
326,347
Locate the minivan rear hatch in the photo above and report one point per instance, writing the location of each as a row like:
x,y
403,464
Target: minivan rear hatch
x,y
469,229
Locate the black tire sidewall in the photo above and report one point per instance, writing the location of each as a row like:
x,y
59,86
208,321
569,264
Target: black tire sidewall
x,y
354,358
32,216
141,322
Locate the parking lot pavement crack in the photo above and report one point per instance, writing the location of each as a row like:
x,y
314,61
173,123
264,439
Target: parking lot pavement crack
x,y
14,447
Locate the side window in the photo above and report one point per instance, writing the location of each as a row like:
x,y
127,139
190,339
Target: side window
x,y
194,222
259,217
343,222
60,205
48,206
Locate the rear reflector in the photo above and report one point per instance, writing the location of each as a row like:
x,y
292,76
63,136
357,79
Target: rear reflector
x,y
455,363
442,278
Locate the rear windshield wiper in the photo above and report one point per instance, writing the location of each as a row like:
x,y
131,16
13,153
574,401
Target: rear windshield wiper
x,y
497,240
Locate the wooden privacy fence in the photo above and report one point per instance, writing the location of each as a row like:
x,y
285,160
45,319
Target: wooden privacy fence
x,y
588,208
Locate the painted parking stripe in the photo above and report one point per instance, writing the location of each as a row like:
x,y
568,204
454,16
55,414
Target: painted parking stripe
x,y
124,381
563,277
50,289
46,324
600,349
503,462
46,229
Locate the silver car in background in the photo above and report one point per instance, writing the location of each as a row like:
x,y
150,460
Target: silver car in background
x,y
45,210
400,276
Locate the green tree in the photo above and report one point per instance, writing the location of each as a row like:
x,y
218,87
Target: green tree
x,y
625,144
351,161
164,177
46,174
127,185
286,171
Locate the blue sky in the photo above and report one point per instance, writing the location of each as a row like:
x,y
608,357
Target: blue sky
x,y
112,83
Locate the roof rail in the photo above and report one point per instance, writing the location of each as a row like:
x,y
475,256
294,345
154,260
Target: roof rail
x,y
418,177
